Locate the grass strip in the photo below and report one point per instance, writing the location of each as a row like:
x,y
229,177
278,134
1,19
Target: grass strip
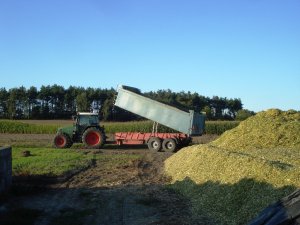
x,y
58,162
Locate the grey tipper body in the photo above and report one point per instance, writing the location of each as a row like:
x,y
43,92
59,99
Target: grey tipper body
x,y
190,123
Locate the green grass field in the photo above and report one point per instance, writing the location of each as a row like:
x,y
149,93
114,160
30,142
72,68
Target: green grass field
x,y
58,162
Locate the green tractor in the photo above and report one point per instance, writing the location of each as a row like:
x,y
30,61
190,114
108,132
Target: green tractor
x,y
86,130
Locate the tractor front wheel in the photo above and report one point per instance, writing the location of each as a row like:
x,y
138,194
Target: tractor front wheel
x,y
62,141
93,138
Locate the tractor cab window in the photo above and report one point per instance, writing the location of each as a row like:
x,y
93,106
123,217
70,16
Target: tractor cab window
x,y
93,120
88,120
83,120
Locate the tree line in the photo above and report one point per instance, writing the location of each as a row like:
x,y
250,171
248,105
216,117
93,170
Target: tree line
x,y
57,102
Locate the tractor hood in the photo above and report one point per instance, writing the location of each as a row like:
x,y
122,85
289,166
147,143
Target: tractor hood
x,y
66,130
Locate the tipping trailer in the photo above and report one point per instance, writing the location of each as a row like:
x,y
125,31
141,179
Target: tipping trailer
x,y
187,123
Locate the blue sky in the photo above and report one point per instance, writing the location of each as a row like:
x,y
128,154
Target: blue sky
x,y
248,49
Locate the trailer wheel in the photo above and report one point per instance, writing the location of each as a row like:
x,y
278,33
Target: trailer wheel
x,y
62,141
169,145
154,144
93,138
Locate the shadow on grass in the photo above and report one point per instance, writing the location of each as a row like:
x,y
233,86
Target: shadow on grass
x,y
211,203
20,216
117,205
232,204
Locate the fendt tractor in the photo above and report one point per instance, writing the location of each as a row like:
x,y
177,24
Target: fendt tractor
x,y
87,130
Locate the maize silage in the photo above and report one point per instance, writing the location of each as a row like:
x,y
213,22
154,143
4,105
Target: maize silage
x,y
267,129
233,178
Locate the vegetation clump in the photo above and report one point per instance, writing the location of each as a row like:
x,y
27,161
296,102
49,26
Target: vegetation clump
x,y
233,178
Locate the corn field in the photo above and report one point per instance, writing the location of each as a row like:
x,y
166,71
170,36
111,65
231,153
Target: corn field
x,y
16,127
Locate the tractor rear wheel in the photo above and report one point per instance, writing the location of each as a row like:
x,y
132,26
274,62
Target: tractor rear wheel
x,y
154,144
62,141
93,138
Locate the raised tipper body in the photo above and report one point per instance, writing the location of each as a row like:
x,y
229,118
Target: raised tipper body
x,y
190,123
187,123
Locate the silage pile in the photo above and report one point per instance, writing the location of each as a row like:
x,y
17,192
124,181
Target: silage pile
x,y
267,129
231,179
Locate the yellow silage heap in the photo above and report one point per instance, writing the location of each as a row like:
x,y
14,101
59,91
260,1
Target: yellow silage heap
x,y
230,180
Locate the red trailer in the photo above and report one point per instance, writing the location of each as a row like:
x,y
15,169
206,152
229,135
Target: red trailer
x,y
155,141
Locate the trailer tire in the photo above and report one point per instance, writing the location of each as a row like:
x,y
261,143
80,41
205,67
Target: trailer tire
x,y
62,141
169,145
154,144
93,138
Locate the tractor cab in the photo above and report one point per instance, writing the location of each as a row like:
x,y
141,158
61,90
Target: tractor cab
x,y
83,121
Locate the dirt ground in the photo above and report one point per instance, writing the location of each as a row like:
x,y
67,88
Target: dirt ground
x,y
27,140
131,195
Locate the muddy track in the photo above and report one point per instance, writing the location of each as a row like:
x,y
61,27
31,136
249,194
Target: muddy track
x,y
130,195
